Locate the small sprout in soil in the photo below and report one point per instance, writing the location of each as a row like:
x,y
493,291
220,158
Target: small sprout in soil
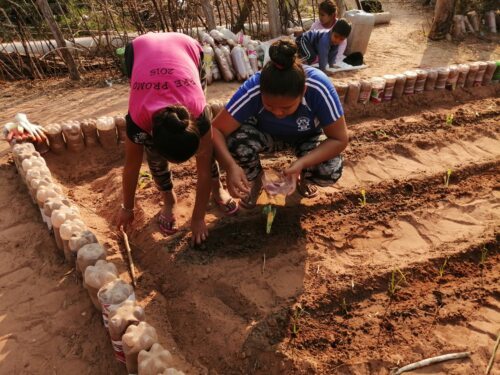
x,y
449,119
297,314
381,134
442,267
343,307
270,213
484,256
362,200
447,177
397,277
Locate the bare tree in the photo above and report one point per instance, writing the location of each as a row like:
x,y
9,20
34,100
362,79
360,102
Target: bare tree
x,y
208,12
443,19
58,36
274,18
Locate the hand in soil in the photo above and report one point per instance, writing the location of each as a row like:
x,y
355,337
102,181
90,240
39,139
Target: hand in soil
x,y
124,219
199,232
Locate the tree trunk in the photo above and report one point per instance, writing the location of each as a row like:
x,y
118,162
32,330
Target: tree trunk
x,y
245,12
340,8
61,43
274,18
443,19
208,12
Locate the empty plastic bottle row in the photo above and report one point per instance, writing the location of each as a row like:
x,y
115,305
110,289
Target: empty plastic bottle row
x,y
74,136
388,87
135,342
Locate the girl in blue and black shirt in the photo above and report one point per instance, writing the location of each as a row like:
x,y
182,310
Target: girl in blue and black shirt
x,y
285,105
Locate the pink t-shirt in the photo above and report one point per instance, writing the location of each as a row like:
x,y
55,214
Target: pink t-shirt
x,y
165,72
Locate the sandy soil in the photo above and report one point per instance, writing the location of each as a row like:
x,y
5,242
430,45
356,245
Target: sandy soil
x,y
312,297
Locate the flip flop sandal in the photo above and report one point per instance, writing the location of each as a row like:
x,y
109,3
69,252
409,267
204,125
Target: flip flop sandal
x,y
307,190
167,224
230,207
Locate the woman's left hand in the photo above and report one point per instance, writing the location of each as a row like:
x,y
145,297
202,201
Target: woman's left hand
x,y
199,231
294,170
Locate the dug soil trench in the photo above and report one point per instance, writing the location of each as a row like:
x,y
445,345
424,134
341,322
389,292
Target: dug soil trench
x,y
338,287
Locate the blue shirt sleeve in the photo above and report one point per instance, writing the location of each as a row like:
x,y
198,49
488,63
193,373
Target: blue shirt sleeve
x,y
332,54
245,102
324,50
323,99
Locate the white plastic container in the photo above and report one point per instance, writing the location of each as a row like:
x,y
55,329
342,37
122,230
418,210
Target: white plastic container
x,y
411,79
58,218
471,76
136,338
490,71
341,88
238,57
121,128
73,135
451,82
362,27
390,82
89,131
95,277
364,91
106,130
480,73
44,192
155,361
121,318
442,78
377,92
55,138
87,255
399,86
421,79
112,295
430,83
463,70
54,203
67,230
352,95
33,178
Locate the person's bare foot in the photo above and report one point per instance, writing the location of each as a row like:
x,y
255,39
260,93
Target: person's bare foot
x,y
306,188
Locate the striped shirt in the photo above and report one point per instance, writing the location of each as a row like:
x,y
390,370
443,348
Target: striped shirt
x,y
320,107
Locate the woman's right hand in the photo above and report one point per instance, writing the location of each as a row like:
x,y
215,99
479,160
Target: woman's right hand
x,y
237,183
125,218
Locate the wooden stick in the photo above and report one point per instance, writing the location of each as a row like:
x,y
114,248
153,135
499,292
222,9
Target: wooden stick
x,y
493,355
129,255
431,361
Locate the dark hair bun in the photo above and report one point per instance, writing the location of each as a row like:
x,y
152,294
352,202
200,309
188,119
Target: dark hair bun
x,y
176,116
283,53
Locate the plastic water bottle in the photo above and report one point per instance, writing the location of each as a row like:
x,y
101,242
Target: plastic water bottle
x,y
95,277
121,317
137,337
88,254
113,294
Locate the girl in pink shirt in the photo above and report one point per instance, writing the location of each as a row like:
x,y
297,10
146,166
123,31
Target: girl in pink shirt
x,y
168,118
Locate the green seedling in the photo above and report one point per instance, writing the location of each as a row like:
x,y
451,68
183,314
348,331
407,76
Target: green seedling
x,y
344,307
447,177
442,267
270,213
381,134
297,314
397,277
449,119
144,178
484,256
362,200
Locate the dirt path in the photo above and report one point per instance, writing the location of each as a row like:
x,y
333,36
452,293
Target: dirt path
x,y
47,323
224,310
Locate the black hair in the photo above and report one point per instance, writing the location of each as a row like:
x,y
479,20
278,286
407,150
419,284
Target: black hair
x,y
342,27
284,74
328,6
175,135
